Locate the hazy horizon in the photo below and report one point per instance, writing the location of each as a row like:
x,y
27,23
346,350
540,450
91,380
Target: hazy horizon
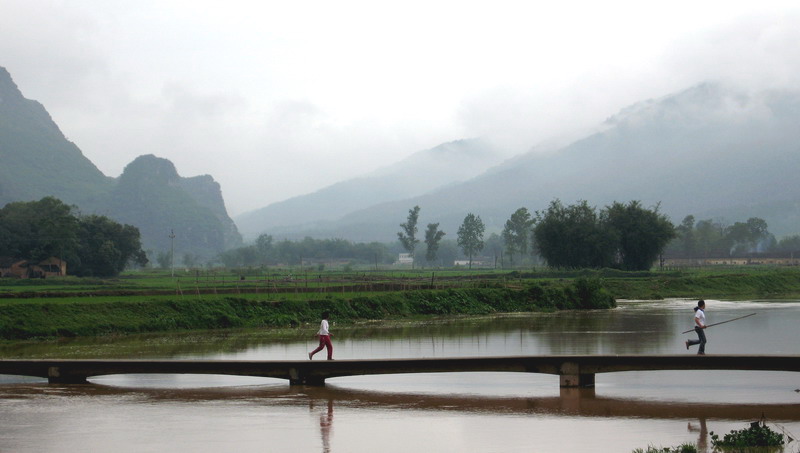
x,y
277,100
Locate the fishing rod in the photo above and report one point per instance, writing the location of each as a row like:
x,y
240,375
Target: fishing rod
x,y
723,322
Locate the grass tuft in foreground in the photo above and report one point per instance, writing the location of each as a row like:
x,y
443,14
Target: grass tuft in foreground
x,y
683,448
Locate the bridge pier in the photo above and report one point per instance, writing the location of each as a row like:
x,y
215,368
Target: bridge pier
x,y
56,375
298,378
570,376
577,380
308,380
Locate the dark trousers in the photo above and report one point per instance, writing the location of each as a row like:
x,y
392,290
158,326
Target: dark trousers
x,y
324,342
701,340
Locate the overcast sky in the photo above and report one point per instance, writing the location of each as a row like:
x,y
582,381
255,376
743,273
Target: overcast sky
x,y
280,98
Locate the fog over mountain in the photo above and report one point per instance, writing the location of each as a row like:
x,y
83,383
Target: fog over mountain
x,y
712,151
415,175
280,99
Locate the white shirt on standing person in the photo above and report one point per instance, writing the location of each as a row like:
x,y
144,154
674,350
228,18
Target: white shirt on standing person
x,y
700,317
323,328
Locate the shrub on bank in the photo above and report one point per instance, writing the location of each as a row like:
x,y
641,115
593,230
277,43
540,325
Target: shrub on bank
x,y
757,435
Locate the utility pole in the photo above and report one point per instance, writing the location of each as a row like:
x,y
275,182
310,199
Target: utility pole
x,y
172,251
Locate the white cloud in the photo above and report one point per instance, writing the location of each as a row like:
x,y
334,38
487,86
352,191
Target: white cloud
x,y
275,99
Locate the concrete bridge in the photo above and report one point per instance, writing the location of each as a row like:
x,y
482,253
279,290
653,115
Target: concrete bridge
x,y
573,370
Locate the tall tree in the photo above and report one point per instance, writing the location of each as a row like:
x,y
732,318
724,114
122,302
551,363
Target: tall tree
x,y
36,230
516,232
641,234
264,247
91,245
573,237
710,237
470,236
686,234
493,245
408,236
165,258
432,237
752,236
789,245
107,247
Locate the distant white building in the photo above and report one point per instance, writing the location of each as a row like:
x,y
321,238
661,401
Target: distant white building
x,y
478,261
405,258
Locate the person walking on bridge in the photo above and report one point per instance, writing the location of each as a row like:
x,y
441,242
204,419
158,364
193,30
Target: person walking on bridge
x,y
324,335
700,324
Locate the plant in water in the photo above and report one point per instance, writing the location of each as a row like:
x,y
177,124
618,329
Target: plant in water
x,y
757,435
683,448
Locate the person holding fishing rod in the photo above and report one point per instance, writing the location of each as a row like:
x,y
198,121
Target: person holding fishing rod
x,y
700,324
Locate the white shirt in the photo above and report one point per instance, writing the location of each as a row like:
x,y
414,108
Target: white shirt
x,y
701,315
323,328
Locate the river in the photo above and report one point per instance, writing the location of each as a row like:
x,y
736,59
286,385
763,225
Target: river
x,y
463,412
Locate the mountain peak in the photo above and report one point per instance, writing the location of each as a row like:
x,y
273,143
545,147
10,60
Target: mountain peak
x,y
704,104
9,92
150,170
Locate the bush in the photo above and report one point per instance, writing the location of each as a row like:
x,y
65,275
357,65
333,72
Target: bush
x,y
757,435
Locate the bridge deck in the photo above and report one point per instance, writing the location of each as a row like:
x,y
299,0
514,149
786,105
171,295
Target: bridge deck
x,y
574,370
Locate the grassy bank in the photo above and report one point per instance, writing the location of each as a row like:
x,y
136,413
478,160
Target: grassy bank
x,y
153,302
67,318
731,284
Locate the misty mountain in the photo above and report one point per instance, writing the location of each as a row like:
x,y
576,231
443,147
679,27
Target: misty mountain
x,y
151,195
36,160
418,174
710,151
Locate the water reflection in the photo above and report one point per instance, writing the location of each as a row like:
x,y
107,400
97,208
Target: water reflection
x,y
269,408
702,436
321,402
325,423
605,331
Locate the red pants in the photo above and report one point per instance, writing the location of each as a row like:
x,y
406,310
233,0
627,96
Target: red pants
x,y
324,342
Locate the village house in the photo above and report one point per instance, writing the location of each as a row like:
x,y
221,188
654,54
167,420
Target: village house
x,y
747,261
405,259
14,268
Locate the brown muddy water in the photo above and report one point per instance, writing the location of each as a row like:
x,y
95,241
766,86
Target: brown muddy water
x,y
464,412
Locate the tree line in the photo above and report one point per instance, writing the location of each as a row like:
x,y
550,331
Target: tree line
x,y
266,251
91,245
625,236
713,239
470,236
621,235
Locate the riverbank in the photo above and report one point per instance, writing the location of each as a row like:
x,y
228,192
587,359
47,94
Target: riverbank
x,y
729,284
74,307
42,318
